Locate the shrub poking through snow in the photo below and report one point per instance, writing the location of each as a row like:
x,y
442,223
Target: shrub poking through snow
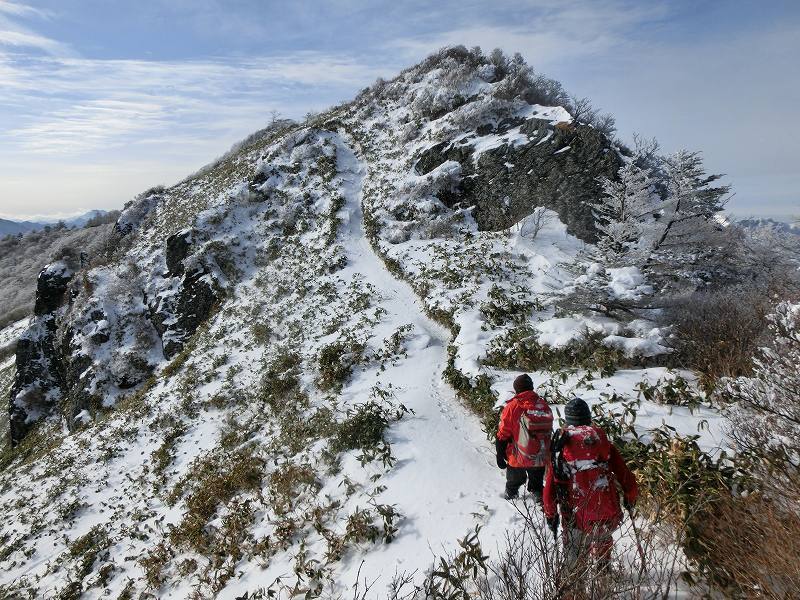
x,y
280,379
519,349
360,527
285,484
503,307
673,391
364,429
164,455
216,479
85,551
478,396
336,362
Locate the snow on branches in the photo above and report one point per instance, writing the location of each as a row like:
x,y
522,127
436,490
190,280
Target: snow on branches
x,y
656,220
625,212
765,408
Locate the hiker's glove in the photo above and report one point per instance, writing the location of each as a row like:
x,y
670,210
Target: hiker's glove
x,y
500,448
552,524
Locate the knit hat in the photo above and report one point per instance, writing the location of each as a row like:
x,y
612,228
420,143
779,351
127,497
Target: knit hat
x,y
523,383
577,412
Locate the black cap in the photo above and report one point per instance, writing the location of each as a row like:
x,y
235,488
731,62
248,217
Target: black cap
x,y
577,412
523,383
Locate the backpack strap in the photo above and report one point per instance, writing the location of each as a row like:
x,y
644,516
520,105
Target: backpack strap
x,y
557,443
560,476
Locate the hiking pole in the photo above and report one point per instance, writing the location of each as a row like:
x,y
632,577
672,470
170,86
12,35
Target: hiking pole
x,y
636,537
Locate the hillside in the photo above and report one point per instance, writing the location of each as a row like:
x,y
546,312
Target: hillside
x,y
281,378
22,258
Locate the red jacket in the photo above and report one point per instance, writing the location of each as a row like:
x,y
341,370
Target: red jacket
x,y
527,446
593,467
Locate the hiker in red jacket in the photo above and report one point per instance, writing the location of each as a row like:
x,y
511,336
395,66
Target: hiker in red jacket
x,y
523,439
586,468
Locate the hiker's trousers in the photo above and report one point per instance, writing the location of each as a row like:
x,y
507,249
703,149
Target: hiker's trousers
x,y
596,543
516,476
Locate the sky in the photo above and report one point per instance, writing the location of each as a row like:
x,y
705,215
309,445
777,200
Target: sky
x,y
102,99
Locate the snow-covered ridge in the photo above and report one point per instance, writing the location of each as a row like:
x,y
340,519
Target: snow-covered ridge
x,y
201,441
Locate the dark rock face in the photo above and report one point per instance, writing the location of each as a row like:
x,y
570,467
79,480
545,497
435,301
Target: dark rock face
x,y
39,382
557,169
178,247
100,334
28,395
196,301
177,317
177,311
76,382
50,287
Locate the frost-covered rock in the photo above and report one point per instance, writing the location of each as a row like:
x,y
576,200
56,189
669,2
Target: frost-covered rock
x,y
178,246
181,308
39,379
51,286
135,211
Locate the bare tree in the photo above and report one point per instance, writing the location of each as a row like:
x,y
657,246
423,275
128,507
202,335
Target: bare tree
x,y
531,225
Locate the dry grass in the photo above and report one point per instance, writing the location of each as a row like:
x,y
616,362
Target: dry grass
x,y
216,480
716,333
751,545
531,564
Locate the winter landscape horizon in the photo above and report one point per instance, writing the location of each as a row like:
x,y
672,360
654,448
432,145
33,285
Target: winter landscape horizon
x,y
370,301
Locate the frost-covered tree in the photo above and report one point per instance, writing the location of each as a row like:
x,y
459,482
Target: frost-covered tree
x,y
687,217
625,212
765,407
625,217
657,226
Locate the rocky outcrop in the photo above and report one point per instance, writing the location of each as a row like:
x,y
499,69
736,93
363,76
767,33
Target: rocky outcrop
x,y
176,316
135,211
78,319
177,249
39,381
556,167
115,314
50,287
188,295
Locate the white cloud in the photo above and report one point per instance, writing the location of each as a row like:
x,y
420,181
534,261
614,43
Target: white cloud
x,y
27,40
89,128
14,35
21,10
80,105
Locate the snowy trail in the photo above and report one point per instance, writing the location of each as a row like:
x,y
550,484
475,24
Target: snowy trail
x,y
445,480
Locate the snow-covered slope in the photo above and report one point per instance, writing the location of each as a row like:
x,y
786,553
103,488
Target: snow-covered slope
x,y
253,395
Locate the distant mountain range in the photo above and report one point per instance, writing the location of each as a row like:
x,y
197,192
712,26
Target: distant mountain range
x,y
8,227
782,226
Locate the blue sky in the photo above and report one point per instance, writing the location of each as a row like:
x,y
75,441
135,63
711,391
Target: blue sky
x,y
100,99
